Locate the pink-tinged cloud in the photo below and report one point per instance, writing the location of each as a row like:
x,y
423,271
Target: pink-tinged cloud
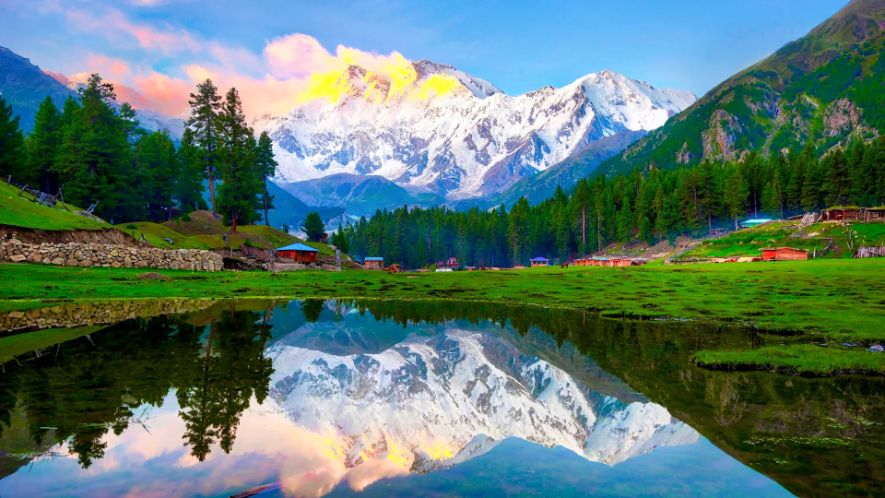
x,y
296,55
109,67
116,25
61,78
163,94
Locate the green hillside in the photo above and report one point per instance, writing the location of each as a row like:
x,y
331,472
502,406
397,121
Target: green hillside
x,y
829,240
821,89
21,211
203,230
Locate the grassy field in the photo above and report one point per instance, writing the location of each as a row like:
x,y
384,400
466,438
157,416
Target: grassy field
x,y
22,211
202,230
799,302
841,238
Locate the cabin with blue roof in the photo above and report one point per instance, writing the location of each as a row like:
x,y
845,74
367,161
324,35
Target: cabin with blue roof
x,y
540,261
299,253
373,263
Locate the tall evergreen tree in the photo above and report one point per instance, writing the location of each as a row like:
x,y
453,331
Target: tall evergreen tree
x,y
94,156
517,227
189,182
204,120
267,167
314,227
43,145
241,179
12,149
735,195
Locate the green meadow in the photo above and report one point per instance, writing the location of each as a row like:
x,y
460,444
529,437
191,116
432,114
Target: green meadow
x,y
804,311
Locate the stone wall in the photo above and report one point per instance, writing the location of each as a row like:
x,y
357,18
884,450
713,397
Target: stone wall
x,y
109,256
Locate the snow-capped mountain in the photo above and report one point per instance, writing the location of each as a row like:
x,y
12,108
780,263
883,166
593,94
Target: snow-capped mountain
x,y
431,128
431,402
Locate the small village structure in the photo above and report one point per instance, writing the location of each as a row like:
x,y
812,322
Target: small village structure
x,y
784,254
874,214
299,253
540,261
373,263
616,261
842,213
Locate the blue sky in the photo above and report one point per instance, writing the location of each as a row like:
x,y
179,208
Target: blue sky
x,y
518,46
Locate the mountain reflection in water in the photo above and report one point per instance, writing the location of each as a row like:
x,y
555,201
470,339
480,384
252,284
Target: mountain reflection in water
x,y
315,398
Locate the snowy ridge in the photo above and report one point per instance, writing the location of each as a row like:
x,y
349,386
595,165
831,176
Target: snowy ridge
x,y
432,402
441,129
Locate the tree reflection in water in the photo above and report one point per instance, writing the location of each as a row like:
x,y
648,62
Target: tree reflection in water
x,y
90,387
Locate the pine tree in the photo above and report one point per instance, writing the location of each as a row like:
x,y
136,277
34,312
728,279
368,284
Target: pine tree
x,y
735,195
94,156
241,179
43,145
517,227
625,221
189,182
204,121
158,165
581,200
837,184
267,167
314,227
773,196
12,149
339,240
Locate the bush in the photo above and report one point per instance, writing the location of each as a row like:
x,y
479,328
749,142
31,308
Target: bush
x,y
132,226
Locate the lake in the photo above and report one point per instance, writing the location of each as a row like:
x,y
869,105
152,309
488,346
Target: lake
x,y
384,398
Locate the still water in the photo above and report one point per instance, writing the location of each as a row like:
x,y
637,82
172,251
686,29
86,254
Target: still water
x,y
330,398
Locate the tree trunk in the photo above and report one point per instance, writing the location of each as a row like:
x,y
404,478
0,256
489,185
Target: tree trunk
x,y
233,223
584,229
266,220
211,189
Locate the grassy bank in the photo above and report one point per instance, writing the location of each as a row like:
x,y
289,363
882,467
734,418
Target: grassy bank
x,y
828,240
22,211
815,301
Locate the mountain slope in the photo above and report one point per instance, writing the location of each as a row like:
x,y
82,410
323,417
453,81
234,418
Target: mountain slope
x,y
24,85
822,88
360,195
428,126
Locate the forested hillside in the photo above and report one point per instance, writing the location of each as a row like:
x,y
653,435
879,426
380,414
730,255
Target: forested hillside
x,y
647,206
93,152
822,90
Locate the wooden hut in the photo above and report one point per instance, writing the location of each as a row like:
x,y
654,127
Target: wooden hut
x,y
784,254
540,261
620,262
874,214
841,213
299,253
373,263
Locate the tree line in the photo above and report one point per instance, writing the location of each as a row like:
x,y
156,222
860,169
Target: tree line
x,y
649,205
94,151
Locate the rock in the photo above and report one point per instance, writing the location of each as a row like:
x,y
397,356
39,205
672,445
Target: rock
x,y
17,258
876,348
